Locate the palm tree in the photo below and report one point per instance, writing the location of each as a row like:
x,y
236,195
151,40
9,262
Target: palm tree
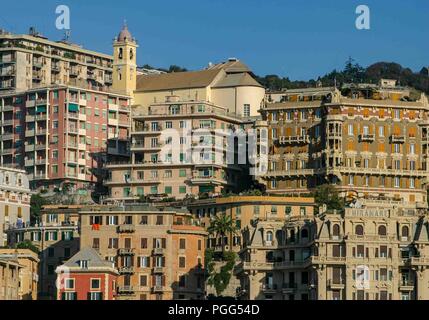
x,y
222,225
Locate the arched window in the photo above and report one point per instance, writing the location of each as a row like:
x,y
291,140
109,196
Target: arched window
x,y
405,231
382,231
304,234
121,53
131,54
359,230
269,236
336,230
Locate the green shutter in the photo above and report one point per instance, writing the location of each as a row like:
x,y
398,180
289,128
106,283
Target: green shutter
x,y
46,236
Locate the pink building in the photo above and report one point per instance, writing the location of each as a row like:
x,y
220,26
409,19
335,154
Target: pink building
x,y
63,134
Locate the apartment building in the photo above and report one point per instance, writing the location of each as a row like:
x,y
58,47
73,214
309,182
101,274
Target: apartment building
x,y
365,253
33,61
369,141
15,197
56,236
63,134
244,211
28,271
86,276
9,279
158,252
183,130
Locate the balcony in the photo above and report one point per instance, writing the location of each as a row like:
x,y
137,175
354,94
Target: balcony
x,y
125,290
126,252
367,137
30,148
30,118
158,270
7,151
336,284
294,139
126,270
7,123
7,108
406,285
55,68
269,288
30,133
397,139
7,136
158,251
158,288
290,173
29,162
289,287
126,228
207,180
140,146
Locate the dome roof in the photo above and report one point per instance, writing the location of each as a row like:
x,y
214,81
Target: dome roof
x,y
125,35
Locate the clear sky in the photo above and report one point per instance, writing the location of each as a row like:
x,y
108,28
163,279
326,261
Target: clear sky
x,y
301,39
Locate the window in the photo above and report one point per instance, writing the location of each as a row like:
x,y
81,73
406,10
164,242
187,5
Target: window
x,y
95,284
246,112
397,182
144,220
350,130
382,231
359,230
269,236
143,262
95,296
381,131
182,262
143,280
69,284
159,220
182,244
182,189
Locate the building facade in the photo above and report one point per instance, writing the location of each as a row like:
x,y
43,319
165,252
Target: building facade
x,y
367,253
15,197
369,141
9,279
28,271
86,276
159,253
244,211
32,61
56,237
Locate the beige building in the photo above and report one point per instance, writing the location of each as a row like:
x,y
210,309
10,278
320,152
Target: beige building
x,y
369,141
159,252
15,197
32,61
57,238
245,210
365,253
28,271
9,279
181,134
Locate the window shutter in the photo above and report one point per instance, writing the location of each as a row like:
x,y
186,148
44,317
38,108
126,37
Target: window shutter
x,y
163,261
354,252
154,243
376,252
63,296
163,281
139,264
164,243
46,236
89,296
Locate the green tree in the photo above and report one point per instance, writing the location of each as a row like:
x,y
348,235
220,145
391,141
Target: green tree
x,y
27,244
36,204
328,195
221,226
219,280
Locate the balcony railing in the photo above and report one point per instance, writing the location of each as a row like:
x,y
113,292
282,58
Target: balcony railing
x,y
397,139
126,252
294,139
126,228
367,137
125,290
126,270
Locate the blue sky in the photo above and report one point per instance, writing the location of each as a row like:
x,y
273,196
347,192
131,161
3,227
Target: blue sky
x,y
298,39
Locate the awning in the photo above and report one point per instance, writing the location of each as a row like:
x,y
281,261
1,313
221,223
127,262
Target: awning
x,y
73,107
40,109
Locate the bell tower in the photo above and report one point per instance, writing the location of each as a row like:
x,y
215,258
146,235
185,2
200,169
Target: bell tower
x,y
125,62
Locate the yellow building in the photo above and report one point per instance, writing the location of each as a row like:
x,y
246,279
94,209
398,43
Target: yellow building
x,y
28,271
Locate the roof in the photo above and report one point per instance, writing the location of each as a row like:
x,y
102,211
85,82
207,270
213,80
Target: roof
x,y
125,35
232,66
90,255
237,80
176,80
